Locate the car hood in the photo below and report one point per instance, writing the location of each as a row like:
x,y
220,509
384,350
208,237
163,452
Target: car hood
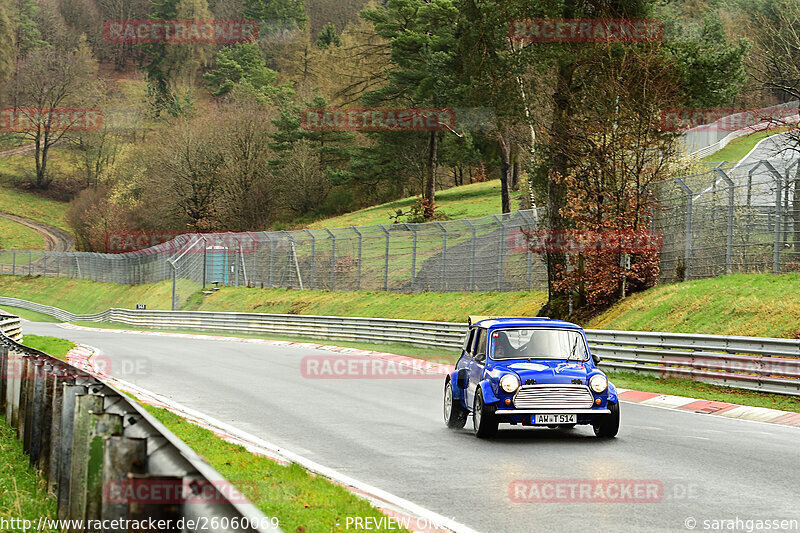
x,y
549,371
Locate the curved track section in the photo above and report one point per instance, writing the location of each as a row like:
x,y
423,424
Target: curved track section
x,y
57,240
389,433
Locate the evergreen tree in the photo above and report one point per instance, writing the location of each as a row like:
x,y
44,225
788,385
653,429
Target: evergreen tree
x,y
328,37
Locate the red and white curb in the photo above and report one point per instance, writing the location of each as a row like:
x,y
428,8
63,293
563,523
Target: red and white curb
x,y
710,407
403,513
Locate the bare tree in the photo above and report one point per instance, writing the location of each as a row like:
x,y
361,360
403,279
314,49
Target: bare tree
x,y
48,81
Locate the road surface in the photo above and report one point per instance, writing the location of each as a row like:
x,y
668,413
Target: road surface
x,y
389,433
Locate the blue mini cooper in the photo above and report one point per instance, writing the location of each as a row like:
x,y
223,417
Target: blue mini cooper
x,y
528,371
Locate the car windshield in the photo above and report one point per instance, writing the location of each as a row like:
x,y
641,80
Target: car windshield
x,y
538,343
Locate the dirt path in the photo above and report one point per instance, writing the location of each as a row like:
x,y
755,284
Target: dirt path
x,y
19,150
57,240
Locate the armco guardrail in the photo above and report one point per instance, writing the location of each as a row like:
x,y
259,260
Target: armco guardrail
x,y
11,327
753,363
106,458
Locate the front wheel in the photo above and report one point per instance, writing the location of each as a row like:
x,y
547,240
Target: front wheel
x,y
608,426
484,421
455,414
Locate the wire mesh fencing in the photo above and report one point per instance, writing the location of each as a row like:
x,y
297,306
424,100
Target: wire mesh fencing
x,y
483,254
734,218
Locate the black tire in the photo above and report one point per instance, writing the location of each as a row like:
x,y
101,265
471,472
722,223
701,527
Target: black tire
x,y
608,426
455,414
484,422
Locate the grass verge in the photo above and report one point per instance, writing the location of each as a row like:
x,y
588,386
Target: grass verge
x,y
34,207
54,346
758,305
703,391
738,148
23,493
33,316
468,201
15,236
302,501
84,297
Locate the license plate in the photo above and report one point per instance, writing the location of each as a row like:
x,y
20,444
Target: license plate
x,y
554,419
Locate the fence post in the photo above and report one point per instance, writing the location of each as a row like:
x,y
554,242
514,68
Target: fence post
x,y
500,245
333,257
776,260
689,229
385,259
358,271
413,230
313,258
472,259
205,261
729,244
13,262
271,257
528,252
444,256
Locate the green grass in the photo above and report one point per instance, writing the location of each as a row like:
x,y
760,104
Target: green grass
x,y
23,493
54,346
24,204
15,236
303,502
84,297
33,316
738,148
467,201
703,391
759,305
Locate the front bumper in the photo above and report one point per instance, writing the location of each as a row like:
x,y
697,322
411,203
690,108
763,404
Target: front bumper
x,y
552,412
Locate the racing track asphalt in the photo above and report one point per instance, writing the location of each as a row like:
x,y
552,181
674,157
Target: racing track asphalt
x,y
389,433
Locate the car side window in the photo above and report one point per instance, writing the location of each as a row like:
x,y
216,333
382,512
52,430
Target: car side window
x,y
468,340
480,346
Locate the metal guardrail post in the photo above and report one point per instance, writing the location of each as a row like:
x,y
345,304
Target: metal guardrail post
x,y
85,406
103,425
63,453
121,455
385,259
689,229
358,272
729,242
13,262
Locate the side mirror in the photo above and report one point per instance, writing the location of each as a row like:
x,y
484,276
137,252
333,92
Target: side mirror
x,y
462,380
596,358
481,357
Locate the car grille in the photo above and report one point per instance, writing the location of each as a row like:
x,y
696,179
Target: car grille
x,y
553,397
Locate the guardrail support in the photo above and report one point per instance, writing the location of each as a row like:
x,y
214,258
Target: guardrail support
x,y
62,454
121,456
85,406
103,426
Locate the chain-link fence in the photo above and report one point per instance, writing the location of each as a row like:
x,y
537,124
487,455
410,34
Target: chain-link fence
x,y
482,254
735,218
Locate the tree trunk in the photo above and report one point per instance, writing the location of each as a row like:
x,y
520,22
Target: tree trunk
x,y
505,171
515,170
796,213
429,193
556,190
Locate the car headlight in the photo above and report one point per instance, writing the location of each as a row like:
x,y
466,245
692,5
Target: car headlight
x,y
598,383
509,383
